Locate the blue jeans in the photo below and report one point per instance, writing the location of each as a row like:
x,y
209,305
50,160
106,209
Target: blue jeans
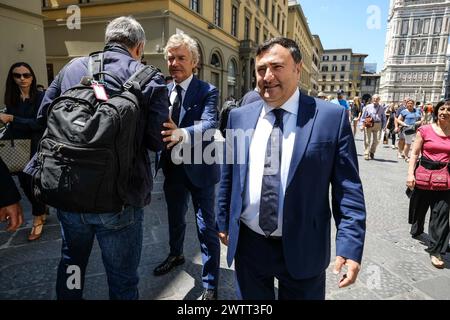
x,y
120,238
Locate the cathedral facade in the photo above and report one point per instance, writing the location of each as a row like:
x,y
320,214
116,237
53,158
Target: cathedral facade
x,y
415,52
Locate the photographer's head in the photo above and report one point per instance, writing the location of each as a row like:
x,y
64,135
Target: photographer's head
x,y
128,32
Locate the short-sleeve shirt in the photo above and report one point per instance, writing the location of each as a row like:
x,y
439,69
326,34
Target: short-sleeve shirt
x,y
410,118
435,147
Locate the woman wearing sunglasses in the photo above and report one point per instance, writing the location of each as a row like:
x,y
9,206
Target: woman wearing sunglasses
x,y
22,101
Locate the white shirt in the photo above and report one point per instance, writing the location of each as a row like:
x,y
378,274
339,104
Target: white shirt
x,y
257,153
184,85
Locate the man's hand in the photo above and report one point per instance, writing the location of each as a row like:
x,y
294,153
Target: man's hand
x,y
5,118
353,268
223,236
173,135
13,214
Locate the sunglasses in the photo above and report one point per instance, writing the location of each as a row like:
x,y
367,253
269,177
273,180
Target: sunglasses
x,y
24,75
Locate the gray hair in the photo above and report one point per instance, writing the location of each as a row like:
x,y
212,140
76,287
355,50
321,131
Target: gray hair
x,y
125,30
180,40
376,96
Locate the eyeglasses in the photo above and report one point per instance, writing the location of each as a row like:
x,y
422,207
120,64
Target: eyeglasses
x,y
24,75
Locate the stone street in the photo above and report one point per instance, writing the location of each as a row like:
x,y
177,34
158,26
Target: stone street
x,y
395,266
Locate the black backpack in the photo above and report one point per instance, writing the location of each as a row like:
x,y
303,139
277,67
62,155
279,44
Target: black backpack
x,y
87,153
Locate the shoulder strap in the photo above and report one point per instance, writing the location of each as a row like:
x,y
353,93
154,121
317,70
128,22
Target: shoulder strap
x,y
95,65
142,76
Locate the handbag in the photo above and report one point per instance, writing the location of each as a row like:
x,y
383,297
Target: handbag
x,y
15,153
368,122
428,179
410,130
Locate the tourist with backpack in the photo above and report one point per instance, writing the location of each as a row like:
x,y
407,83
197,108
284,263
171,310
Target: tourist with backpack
x,y
104,113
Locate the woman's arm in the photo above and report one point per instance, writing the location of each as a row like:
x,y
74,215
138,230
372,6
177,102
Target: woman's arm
x,y
415,153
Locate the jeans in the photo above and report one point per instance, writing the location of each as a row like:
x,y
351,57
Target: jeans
x,y
120,238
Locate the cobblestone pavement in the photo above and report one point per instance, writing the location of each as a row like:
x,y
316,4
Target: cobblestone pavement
x,y
395,266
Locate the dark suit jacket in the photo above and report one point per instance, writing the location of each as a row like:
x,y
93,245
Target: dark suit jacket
x,y
324,153
200,104
8,190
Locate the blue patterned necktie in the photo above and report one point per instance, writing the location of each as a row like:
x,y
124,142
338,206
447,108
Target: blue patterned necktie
x,y
270,190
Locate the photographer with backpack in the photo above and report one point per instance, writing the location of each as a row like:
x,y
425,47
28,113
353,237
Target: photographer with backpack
x,y
104,113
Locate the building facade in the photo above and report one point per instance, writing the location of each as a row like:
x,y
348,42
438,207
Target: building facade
x,y
227,32
22,35
415,50
317,57
299,31
370,85
446,90
341,69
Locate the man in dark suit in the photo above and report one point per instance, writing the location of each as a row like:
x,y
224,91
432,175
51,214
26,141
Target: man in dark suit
x,y
10,209
193,112
273,202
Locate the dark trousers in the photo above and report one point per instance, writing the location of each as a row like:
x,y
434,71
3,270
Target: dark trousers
x,y
177,188
438,229
38,208
258,261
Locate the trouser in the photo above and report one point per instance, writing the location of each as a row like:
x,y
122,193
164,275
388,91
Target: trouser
x,y
119,236
372,137
438,228
37,207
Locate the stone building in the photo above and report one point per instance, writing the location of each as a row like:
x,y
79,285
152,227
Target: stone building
x,y
227,33
415,50
22,34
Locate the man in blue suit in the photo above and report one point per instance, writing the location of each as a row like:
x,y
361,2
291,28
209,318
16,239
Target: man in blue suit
x,y
273,202
193,112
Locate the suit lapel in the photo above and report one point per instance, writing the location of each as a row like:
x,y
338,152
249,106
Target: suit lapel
x,y
249,120
191,94
306,116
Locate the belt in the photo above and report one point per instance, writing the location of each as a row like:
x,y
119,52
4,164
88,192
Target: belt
x,y
256,234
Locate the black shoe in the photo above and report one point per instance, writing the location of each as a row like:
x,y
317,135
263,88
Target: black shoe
x,y
372,155
168,264
209,294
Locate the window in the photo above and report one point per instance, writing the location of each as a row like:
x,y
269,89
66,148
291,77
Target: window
x,y
334,68
437,25
416,26
325,69
342,68
405,27
344,58
194,5
257,28
258,3
278,19
234,15
426,26
266,7
333,78
334,58
332,88
342,77
325,58
265,35
232,70
247,28
368,82
218,13
324,78
282,27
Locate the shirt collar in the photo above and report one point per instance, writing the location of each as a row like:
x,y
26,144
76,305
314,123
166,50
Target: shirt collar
x,y
184,84
290,106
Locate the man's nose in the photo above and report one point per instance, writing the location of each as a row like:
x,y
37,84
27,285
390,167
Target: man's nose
x,y
268,75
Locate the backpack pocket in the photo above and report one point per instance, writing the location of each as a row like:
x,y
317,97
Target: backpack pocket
x,y
78,179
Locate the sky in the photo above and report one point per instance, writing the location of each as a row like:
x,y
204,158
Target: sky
x,y
356,24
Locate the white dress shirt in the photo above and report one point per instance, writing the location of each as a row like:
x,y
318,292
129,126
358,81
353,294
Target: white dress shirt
x,y
184,85
257,153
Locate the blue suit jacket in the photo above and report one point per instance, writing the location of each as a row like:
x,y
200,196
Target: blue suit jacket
x,y
200,103
324,153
